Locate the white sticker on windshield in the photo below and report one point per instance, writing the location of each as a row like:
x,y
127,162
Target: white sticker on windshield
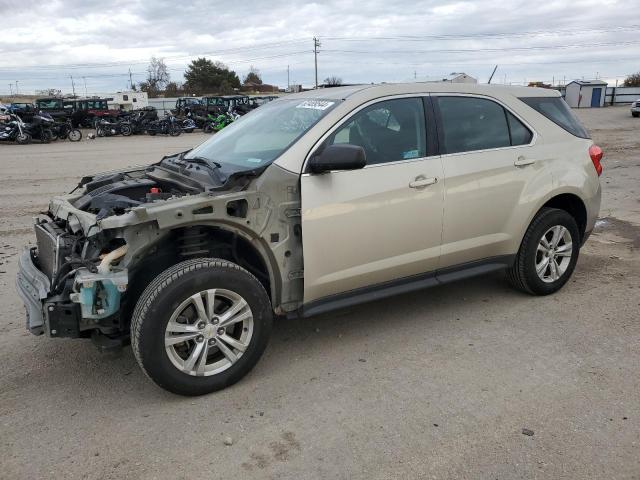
x,y
254,160
315,104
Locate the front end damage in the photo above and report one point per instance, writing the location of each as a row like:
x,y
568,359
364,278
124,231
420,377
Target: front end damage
x,y
69,284
100,246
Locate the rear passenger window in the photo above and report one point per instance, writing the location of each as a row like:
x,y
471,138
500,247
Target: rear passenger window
x,y
470,123
520,135
388,131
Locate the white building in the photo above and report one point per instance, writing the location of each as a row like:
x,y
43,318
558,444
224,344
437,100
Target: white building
x,y
127,100
585,93
455,77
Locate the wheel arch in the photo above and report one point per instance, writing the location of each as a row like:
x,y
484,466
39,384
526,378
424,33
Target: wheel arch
x,y
202,240
568,201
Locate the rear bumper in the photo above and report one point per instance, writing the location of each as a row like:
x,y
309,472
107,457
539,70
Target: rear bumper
x,y
33,287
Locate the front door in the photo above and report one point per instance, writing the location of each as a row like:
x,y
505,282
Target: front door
x,y
383,222
596,93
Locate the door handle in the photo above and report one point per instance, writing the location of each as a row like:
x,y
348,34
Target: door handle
x,y
422,182
523,162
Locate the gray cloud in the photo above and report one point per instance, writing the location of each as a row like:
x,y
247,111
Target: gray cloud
x,y
40,37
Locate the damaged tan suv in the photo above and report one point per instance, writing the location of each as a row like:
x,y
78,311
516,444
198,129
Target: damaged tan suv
x,y
313,202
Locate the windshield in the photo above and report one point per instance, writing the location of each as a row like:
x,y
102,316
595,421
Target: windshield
x,y
258,138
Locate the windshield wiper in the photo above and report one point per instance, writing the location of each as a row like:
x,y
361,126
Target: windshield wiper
x,y
212,166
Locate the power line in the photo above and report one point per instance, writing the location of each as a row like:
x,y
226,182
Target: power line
x,y
464,36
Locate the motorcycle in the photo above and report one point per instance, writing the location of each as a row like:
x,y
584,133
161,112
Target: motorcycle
x,y
64,130
188,125
14,131
40,127
166,126
105,128
215,123
139,119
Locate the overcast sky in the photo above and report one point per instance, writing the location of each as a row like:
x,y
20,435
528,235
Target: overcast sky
x,y
98,42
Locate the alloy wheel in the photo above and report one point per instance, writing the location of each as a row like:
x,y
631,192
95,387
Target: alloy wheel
x,y
208,332
554,253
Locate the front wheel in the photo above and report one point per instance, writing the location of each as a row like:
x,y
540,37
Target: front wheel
x,y
23,138
548,253
635,114
126,130
74,135
201,326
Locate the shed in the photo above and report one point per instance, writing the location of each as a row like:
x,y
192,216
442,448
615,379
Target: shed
x,y
585,93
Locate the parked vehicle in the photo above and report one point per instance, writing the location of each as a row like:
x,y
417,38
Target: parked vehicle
x,y
64,130
307,205
23,109
40,127
107,128
215,123
164,126
139,119
12,129
635,108
189,105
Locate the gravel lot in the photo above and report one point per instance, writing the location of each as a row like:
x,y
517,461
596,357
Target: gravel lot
x,y
434,384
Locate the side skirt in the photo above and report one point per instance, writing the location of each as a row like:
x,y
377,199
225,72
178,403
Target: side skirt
x,y
404,285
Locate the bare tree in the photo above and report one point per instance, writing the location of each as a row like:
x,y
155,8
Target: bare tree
x,y
632,80
333,81
157,75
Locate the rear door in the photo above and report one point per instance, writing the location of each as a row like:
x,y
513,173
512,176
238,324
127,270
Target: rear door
x,y
489,160
383,222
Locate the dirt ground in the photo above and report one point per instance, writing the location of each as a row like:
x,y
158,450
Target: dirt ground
x,y
433,384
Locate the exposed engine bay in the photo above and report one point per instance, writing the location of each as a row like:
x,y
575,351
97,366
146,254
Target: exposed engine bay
x,y
101,245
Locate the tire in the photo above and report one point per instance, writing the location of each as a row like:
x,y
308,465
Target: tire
x,y
23,139
523,274
100,132
189,130
126,130
635,114
208,128
175,131
74,135
151,132
164,300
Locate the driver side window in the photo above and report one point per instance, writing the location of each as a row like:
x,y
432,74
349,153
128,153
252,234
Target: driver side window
x,y
388,131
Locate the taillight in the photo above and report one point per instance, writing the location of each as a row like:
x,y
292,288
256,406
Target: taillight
x,y
596,153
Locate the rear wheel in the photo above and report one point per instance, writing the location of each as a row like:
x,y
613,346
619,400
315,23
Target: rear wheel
x,y
175,130
208,128
126,130
548,253
201,326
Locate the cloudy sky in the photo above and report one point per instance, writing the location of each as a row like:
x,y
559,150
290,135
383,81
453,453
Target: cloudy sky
x,y
99,42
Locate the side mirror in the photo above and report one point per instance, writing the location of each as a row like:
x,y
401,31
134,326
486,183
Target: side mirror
x,y
338,157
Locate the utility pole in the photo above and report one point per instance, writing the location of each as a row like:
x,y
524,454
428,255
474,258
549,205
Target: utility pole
x,y
11,88
130,80
288,83
85,86
73,85
17,87
415,75
316,45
